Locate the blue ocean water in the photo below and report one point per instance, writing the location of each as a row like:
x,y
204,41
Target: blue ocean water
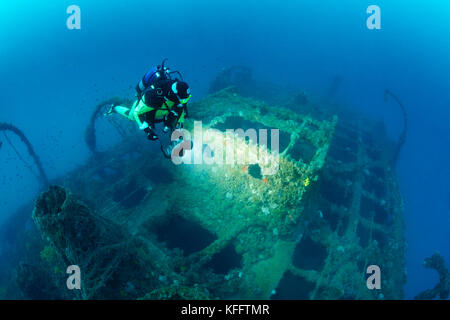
x,y
51,78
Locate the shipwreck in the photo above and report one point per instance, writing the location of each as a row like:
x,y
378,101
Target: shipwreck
x,y
141,227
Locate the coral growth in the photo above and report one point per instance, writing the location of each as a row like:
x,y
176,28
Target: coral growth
x,y
442,289
100,248
149,229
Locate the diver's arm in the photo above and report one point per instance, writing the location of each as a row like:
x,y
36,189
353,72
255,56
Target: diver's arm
x,y
142,124
181,117
185,109
151,135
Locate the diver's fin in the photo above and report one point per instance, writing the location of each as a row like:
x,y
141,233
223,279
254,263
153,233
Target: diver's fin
x,y
110,110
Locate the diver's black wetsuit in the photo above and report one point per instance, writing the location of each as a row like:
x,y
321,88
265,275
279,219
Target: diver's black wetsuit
x,y
161,97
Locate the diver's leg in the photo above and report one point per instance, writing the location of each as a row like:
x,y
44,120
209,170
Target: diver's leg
x,y
123,111
131,114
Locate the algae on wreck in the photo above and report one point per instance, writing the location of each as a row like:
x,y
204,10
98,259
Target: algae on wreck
x,y
233,231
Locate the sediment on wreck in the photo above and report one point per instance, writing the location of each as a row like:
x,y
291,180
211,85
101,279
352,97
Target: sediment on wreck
x,y
243,231
102,250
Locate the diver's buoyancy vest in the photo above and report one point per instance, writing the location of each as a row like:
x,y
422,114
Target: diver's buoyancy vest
x,y
160,111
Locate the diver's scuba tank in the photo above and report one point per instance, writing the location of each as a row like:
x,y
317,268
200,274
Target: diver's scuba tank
x,y
155,74
152,77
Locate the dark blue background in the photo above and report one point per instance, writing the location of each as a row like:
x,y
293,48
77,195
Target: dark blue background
x,y
50,79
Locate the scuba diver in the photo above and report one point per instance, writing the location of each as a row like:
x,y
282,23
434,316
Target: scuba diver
x,y
159,99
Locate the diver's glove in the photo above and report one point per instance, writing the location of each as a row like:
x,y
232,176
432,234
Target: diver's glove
x,y
151,135
183,107
143,126
169,121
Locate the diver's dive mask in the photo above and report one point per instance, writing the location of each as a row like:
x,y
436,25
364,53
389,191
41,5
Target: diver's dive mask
x,y
184,101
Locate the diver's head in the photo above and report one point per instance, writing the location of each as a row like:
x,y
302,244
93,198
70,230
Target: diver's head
x,y
182,91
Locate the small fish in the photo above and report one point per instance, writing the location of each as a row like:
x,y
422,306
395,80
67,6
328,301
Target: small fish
x,y
306,182
1,144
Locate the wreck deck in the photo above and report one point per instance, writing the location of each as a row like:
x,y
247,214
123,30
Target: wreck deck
x,y
309,231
